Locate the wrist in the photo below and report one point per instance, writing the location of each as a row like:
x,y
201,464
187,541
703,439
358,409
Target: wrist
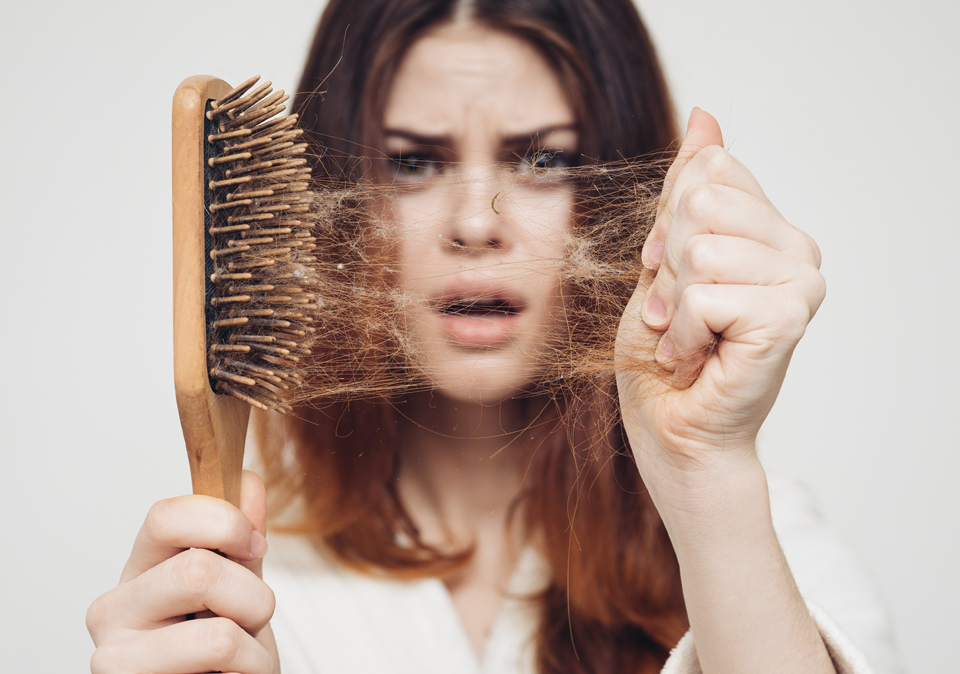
x,y
709,494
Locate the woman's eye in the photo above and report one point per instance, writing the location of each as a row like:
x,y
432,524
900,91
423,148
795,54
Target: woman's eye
x,y
413,166
542,160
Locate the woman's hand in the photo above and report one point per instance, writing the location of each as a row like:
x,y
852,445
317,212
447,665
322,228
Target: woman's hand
x,y
142,625
735,287
727,265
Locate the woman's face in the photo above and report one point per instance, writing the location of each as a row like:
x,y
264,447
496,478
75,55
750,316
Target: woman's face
x,y
474,122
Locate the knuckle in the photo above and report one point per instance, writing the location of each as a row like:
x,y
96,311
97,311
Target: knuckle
x,y
814,250
818,288
699,201
698,255
794,315
261,615
224,639
804,247
269,605
695,298
715,159
200,571
104,659
159,524
97,614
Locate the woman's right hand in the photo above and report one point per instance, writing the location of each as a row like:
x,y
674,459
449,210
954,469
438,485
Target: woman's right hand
x,y
142,624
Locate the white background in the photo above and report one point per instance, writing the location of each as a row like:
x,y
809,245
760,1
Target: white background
x,y
846,112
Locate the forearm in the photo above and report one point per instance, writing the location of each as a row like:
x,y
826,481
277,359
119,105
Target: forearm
x,y
745,611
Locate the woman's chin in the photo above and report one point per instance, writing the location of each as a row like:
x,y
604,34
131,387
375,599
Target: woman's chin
x,y
480,392
481,378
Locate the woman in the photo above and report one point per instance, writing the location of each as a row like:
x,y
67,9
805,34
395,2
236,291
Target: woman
x,y
556,554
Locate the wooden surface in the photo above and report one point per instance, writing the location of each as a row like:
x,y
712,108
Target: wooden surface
x,y
214,426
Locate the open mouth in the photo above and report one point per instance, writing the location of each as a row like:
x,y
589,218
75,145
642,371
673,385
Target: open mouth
x,y
480,307
480,316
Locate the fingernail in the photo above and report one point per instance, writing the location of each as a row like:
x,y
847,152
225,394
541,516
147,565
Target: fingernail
x,y
652,254
654,312
690,119
666,347
258,544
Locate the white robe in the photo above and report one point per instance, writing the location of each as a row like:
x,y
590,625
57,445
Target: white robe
x,y
330,620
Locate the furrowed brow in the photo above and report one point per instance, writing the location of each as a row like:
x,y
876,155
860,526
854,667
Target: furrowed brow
x,y
417,138
527,138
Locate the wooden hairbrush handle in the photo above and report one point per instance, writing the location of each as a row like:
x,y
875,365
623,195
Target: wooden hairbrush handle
x,y
214,425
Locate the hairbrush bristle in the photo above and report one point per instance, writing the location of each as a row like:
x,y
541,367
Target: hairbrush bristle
x,y
259,289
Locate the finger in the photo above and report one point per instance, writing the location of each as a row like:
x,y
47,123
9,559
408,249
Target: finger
x,y
253,504
185,522
710,166
191,582
719,209
210,645
713,165
709,210
702,130
706,208
766,322
693,198
712,258
253,500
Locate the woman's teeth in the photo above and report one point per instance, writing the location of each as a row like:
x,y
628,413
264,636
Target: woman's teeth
x,y
479,307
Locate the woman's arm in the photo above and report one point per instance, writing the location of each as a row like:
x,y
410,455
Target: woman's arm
x,y
142,624
726,264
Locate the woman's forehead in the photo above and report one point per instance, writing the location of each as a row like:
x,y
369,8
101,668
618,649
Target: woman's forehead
x,y
467,74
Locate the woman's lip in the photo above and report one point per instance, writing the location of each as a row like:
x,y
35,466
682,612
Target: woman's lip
x,y
487,326
469,291
489,330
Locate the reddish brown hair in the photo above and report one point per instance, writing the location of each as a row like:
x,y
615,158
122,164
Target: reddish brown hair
x,y
614,603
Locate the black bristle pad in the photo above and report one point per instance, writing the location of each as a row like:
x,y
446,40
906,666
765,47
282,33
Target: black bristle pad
x,y
259,292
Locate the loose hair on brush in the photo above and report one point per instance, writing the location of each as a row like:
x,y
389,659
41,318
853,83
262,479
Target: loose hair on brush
x,y
614,601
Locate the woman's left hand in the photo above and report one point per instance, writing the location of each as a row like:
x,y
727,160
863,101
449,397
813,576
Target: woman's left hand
x,y
735,287
727,265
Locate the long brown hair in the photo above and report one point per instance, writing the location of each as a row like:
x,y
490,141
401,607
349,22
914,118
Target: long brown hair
x,y
614,602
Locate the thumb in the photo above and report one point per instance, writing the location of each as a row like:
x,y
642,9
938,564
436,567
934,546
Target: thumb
x,y
702,130
253,504
253,500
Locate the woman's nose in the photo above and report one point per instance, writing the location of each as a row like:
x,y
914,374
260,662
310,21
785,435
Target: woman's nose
x,y
476,222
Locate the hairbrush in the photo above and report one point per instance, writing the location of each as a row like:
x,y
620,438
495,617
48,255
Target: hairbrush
x,y
241,280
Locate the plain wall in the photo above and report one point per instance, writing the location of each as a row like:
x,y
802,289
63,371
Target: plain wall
x,y
846,113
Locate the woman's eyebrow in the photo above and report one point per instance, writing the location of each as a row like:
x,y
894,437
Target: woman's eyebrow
x,y
524,138
418,138
537,134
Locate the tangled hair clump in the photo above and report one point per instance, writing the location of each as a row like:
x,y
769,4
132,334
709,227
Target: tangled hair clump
x,y
363,348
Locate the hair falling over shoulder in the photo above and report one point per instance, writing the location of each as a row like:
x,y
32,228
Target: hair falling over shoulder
x,y
614,601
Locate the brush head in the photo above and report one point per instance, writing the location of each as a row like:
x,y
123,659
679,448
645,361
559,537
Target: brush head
x,y
258,244
241,285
